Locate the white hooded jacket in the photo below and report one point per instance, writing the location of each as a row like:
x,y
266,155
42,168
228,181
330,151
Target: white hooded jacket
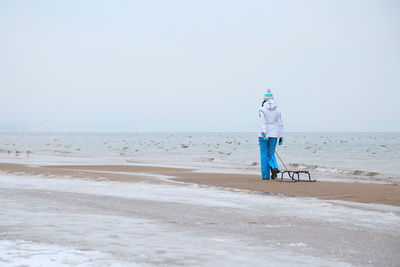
x,y
271,120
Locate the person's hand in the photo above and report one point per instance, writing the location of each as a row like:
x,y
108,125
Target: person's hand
x,y
280,142
264,135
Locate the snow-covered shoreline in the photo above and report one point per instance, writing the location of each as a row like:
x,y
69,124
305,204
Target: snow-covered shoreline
x,y
118,223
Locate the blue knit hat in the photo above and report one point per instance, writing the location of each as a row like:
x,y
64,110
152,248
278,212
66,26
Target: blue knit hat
x,y
268,95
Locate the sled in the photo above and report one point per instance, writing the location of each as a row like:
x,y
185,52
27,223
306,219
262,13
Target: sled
x,y
294,175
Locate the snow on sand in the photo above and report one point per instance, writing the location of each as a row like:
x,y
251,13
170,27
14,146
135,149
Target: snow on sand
x,y
63,222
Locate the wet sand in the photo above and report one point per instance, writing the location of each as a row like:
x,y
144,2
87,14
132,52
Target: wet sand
x,y
358,192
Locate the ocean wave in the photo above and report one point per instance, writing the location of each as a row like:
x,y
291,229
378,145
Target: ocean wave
x,y
317,168
331,170
293,166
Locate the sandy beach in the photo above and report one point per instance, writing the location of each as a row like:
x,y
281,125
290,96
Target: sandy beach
x,y
350,191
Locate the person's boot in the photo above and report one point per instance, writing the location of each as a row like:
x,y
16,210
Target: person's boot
x,y
274,173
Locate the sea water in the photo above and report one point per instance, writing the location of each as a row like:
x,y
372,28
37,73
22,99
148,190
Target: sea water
x,y
362,156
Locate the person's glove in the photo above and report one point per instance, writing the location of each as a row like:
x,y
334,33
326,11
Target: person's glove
x,y
280,142
264,135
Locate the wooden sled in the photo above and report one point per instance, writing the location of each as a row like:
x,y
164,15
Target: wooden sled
x,y
295,176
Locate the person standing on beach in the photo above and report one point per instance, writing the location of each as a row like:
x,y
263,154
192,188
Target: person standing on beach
x,y
271,131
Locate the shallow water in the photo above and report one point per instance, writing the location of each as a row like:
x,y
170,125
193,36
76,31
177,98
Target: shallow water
x,y
365,156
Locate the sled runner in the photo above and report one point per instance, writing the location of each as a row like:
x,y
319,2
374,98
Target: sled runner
x,y
294,175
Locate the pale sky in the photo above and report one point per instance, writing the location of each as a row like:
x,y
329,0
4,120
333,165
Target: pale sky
x,y
198,65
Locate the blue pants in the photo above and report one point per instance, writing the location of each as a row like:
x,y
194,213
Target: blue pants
x,y
267,154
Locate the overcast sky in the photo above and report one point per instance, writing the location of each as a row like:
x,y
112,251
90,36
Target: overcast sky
x,y
199,65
